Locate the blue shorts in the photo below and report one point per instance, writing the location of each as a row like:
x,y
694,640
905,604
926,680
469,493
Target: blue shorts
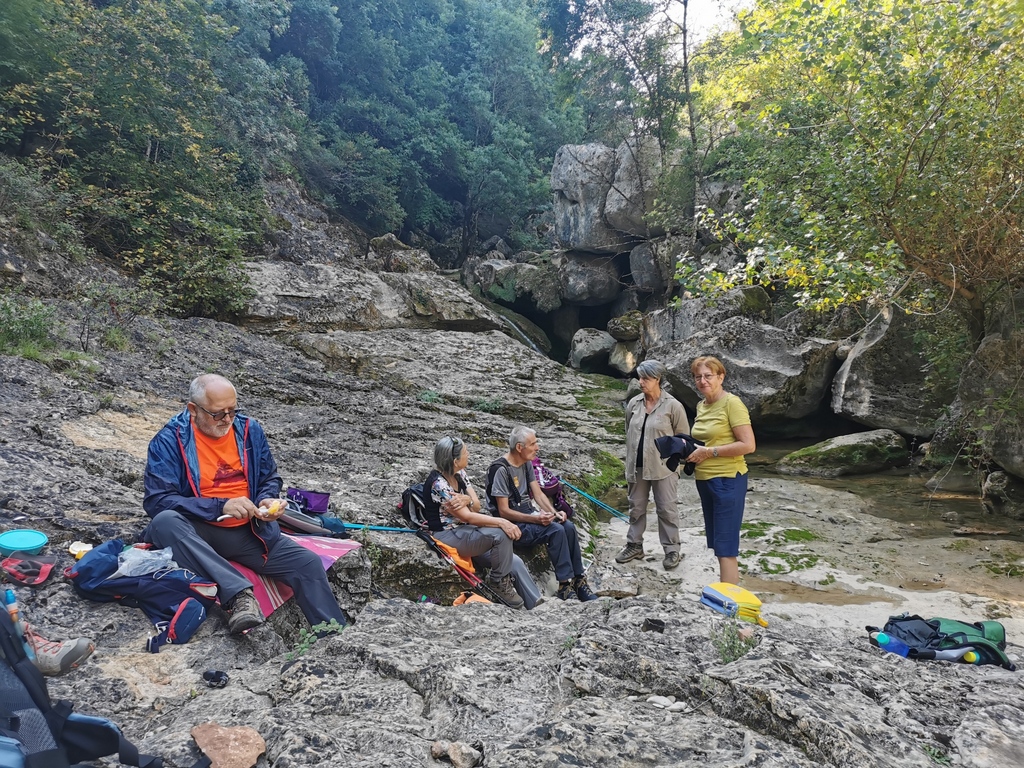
x,y
722,499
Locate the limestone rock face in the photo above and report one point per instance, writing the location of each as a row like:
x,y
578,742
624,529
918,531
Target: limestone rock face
x,y
855,454
590,348
512,281
882,381
632,192
990,390
651,267
588,280
779,376
581,177
698,315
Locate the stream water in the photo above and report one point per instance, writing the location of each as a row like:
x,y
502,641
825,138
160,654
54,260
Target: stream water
x,y
895,494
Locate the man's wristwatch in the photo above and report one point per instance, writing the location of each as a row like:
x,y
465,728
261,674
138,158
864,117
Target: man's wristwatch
x,y
714,452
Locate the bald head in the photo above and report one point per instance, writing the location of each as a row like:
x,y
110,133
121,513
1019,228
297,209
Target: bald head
x,y
209,386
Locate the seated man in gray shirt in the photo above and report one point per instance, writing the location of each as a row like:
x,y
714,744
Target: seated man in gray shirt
x,y
514,494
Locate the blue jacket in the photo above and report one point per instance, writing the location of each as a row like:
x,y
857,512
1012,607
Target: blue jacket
x,y
172,473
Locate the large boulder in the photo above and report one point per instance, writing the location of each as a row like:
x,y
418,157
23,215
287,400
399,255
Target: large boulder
x,y
625,356
882,383
632,193
780,377
993,403
326,297
627,327
855,454
588,280
581,178
1003,494
590,349
535,283
664,326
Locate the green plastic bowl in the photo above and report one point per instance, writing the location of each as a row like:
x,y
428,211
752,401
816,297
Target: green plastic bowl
x,y
22,540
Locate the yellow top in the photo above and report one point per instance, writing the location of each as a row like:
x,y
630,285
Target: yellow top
x,y
713,425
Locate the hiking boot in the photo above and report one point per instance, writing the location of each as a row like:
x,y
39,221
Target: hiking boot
x,y
672,560
505,589
54,658
583,591
565,590
630,552
245,613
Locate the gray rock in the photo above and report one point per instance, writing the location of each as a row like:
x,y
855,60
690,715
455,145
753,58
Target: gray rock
x,y
1003,494
508,282
496,244
882,381
590,348
780,377
625,356
627,301
698,315
581,177
632,192
588,280
856,454
990,386
626,327
652,267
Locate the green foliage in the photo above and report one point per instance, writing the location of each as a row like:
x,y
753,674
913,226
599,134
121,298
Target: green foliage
x,y
307,637
429,396
488,405
729,643
24,326
880,143
107,312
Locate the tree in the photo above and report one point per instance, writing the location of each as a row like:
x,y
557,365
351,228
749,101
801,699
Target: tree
x,y
881,143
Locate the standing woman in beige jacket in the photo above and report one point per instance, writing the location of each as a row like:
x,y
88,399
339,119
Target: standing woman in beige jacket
x,y
652,414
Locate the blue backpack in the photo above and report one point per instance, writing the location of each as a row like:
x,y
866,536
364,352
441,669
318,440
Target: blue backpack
x,y
174,599
35,733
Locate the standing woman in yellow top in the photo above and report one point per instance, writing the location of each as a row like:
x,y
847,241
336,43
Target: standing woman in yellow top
x,y
723,424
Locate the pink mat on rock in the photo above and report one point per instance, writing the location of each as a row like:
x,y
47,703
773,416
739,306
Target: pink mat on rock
x,y
270,594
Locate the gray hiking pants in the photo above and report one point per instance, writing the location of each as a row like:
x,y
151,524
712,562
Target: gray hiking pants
x,y
471,541
205,549
666,505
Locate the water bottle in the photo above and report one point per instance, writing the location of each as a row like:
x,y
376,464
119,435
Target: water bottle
x,y
891,644
12,606
957,654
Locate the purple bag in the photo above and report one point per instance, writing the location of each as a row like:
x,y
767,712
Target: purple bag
x,y
551,484
310,502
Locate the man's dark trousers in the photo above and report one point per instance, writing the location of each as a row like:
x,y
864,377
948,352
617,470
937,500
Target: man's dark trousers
x,y
205,549
562,543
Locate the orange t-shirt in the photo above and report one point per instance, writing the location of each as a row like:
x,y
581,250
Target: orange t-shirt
x,y
220,471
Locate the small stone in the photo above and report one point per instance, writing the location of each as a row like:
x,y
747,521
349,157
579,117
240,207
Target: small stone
x,y
661,702
235,747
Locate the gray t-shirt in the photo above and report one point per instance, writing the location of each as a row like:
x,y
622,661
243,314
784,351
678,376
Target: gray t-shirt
x,y
511,477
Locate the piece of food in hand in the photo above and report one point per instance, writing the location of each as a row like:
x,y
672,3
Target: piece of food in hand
x,y
274,509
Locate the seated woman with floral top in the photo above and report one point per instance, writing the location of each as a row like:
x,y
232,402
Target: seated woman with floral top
x,y
452,509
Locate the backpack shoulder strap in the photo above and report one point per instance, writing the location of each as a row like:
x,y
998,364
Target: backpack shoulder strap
x,y
492,472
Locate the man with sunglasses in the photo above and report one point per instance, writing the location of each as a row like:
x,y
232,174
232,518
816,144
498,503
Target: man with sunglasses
x,y
209,485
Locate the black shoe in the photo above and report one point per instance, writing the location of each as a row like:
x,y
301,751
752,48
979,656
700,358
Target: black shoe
x,y
583,591
245,613
565,590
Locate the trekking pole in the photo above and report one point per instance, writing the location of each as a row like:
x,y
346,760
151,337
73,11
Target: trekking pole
x,y
598,502
358,526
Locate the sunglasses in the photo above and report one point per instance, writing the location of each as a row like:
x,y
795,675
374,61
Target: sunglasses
x,y
219,415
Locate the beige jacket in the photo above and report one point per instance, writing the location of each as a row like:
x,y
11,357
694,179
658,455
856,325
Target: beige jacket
x,y
667,418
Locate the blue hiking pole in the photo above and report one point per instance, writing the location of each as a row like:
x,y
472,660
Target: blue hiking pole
x,y
598,502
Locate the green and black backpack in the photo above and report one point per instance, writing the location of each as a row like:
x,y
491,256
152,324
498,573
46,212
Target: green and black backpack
x,y
924,638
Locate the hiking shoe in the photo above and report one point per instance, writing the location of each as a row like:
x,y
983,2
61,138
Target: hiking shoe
x,y
245,613
672,560
54,658
505,589
630,552
583,590
565,590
